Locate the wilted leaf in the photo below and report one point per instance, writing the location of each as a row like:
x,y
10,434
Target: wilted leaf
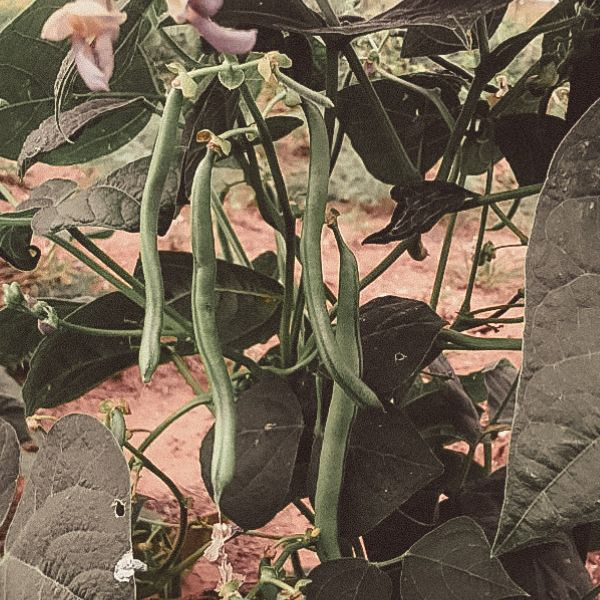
x,y
387,463
454,561
269,425
398,339
9,467
47,137
348,579
528,142
113,202
416,120
430,40
15,241
557,421
66,538
419,206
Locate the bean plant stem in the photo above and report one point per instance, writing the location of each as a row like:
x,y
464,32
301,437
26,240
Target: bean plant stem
x,y
187,375
460,341
510,225
443,262
229,232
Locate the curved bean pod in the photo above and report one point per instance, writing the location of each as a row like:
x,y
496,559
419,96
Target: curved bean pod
x,y
166,140
205,327
310,250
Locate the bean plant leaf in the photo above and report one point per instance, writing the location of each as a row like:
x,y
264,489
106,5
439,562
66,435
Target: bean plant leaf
x,y
528,142
416,120
348,579
67,540
12,408
15,241
430,40
557,426
419,206
499,380
20,334
387,463
454,561
28,71
113,202
47,137
9,466
398,339
268,429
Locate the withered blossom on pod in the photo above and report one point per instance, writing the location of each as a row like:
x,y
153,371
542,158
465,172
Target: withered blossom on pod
x,y
93,27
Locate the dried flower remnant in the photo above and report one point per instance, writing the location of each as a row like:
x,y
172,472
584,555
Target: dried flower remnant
x,y
221,533
223,39
229,582
93,26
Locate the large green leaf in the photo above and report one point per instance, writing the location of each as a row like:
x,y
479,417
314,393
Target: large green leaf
x,y
29,68
453,561
15,241
9,467
416,120
555,447
67,539
268,428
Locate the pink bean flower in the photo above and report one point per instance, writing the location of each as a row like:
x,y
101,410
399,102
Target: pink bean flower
x,y
93,26
222,39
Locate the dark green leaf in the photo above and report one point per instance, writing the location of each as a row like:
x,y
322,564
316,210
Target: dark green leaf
x,y
387,463
113,202
419,206
9,467
282,125
528,142
557,424
66,539
416,120
47,137
266,263
430,40
15,241
348,579
499,379
269,425
398,339
454,561
12,409
20,334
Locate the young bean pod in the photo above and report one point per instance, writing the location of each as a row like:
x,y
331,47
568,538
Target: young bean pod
x,y
342,410
310,251
205,327
150,350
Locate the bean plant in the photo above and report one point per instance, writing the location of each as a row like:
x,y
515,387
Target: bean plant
x,y
353,413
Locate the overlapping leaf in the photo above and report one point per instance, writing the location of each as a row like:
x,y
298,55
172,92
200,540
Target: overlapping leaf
x,y
419,206
15,241
556,430
66,539
416,120
12,409
113,202
268,429
9,467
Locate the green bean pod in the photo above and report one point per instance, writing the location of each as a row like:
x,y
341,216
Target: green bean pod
x,y
150,350
205,327
341,411
310,251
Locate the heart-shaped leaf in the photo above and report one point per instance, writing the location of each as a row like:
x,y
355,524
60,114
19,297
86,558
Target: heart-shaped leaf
x,y
417,121
398,339
419,206
15,240
387,463
454,561
528,142
269,426
9,467
113,202
67,540
48,137
557,425
348,579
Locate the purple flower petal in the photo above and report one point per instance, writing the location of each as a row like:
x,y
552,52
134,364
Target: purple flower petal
x,y
223,39
85,59
206,8
103,51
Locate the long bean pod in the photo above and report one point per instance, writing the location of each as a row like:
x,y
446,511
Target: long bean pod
x,y
149,355
342,410
205,327
310,250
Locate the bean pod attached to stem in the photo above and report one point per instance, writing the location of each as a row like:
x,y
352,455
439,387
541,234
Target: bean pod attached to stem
x,y
205,327
150,349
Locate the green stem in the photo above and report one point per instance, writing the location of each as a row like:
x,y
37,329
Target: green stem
x,y
304,510
7,194
460,341
513,388
303,91
522,192
135,333
229,232
183,511
16,222
332,76
187,375
510,225
443,262
289,550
